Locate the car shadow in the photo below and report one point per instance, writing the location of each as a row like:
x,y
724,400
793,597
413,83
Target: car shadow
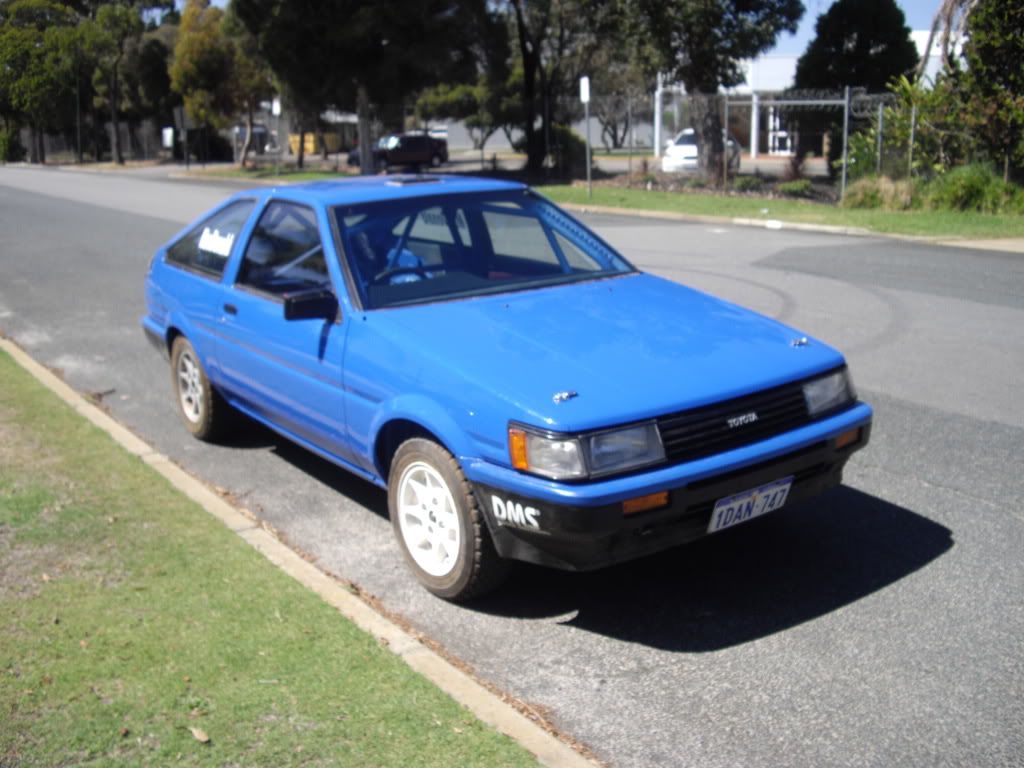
x,y
741,585
761,578
248,434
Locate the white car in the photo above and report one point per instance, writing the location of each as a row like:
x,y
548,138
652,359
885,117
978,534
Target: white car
x,y
681,153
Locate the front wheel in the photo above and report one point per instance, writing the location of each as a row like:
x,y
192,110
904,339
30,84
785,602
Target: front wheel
x,y
439,525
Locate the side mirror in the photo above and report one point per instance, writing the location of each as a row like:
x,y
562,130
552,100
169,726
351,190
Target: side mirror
x,y
312,304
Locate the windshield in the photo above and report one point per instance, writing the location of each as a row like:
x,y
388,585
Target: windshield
x,y
425,249
686,139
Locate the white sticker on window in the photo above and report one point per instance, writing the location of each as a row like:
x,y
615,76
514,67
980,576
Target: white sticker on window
x,y
215,242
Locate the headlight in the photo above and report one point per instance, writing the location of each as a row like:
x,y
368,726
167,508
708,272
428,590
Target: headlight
x,y
623,449
571,457
829,392
553,456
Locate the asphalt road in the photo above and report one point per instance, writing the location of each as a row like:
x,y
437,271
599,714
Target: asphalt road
x,y
880,625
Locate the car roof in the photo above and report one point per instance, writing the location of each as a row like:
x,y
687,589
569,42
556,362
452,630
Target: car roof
x,y
371,189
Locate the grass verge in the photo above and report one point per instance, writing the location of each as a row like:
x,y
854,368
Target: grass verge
x,y
286,174
138,630
950,224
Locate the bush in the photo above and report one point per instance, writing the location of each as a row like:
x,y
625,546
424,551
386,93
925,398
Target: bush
x,y
11,150
748,184
697,182
974,188
798,188
879,192
568,151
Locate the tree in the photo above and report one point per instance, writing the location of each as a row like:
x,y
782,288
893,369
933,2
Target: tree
x,y
147,79
480,104
994,81
33,76
109,36
556,41
701,44
252,80
860,43
619,85
951,19
349,52
201,72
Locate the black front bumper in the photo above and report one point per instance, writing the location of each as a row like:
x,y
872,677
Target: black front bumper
x,y
585,538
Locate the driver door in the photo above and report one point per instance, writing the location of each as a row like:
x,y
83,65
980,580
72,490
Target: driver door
x,y
287,371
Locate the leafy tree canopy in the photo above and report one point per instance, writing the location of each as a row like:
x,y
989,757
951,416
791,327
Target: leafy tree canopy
x,y
995,78
860,43
201,71
702,43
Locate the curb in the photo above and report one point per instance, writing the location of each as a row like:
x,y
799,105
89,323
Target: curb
x,y
209,178
481,702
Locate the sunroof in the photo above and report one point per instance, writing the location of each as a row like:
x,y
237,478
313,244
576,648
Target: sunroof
x,y
404,181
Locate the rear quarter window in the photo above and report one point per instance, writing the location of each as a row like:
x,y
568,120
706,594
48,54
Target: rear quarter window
x,y
207,247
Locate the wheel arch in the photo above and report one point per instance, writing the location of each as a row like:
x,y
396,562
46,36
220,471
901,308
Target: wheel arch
x,y
172,333
391,435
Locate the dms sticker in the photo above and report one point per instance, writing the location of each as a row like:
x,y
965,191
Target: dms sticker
x,y
514,513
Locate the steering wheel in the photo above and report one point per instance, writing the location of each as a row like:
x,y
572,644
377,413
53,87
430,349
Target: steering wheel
x,y
392,271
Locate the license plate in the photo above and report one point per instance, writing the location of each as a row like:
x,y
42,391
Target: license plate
x,y
745,506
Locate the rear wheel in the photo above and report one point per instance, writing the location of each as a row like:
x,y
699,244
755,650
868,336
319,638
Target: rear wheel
x,y
202,409
438,524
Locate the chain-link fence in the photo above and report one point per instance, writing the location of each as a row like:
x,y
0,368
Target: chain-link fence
x,y
796,132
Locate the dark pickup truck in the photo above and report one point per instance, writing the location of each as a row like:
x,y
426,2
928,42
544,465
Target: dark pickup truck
x,y
406,149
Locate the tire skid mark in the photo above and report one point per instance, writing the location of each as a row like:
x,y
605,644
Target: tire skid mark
x,y
788,304
896,326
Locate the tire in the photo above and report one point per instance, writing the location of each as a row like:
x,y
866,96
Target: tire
x,y
201,407
435,161
438,524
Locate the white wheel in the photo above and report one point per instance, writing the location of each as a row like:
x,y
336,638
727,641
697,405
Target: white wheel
x,y
438,523
428,520
190,388
202,409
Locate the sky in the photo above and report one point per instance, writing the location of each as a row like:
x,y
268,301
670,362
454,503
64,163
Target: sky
x,y
919,15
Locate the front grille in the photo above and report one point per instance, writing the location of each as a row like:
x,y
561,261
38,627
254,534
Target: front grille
x,y
705,431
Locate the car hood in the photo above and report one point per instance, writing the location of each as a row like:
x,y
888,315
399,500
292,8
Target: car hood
x,y
630,348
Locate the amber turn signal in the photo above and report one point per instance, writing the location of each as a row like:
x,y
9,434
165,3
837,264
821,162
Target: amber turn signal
x,y
848,438
643,503
517,449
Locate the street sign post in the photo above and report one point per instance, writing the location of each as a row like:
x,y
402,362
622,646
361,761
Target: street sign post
x,y
585,98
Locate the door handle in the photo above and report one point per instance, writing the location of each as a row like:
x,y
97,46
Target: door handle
x,y
231,309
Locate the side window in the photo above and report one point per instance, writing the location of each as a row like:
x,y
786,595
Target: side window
x,y
284,253
207,247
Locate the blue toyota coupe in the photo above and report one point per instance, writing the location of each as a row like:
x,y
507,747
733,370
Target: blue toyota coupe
x,y
519,388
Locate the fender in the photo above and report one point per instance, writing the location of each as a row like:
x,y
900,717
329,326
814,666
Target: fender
x,y
200,338
429,415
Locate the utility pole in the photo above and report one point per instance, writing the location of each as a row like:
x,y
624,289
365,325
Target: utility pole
x,y
657,117
846,139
